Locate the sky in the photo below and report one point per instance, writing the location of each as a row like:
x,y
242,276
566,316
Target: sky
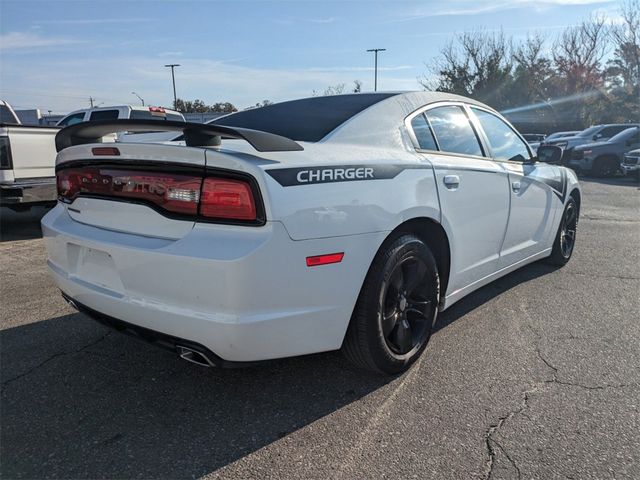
x,y
55,54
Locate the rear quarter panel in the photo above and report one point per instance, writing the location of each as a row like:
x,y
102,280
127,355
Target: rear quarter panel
x,y
353,207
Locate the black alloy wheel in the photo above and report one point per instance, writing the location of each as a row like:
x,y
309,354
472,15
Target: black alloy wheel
x,y
566,237
406,308
397,307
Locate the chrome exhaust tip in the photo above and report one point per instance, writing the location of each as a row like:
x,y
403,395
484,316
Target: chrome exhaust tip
x,y
71,303
194,356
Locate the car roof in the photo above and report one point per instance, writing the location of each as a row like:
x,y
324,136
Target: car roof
x,y
361,118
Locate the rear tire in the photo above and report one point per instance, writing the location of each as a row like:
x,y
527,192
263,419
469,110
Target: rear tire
x,y
397,307
566,237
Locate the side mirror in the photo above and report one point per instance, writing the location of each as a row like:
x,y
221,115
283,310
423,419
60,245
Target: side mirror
x,y
549,154
597,136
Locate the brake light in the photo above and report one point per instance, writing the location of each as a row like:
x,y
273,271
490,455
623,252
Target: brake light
x,y
174,193
227,198
6,163
110,151
157,109
324,259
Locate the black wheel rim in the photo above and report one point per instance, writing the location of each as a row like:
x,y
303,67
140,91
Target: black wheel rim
x,y
568,230
407,308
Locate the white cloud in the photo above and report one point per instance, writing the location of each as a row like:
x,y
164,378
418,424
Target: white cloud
x,y
466,7
24,40
94,21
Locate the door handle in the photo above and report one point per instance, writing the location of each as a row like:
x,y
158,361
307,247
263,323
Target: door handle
x,y
515,186
451,181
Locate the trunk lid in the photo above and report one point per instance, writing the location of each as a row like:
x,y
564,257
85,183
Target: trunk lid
x,y
127,192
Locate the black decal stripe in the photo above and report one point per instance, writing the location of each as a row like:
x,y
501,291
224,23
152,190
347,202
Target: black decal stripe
x,y
288,177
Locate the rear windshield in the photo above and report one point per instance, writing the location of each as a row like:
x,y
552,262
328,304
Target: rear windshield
x,y
308,119
147,115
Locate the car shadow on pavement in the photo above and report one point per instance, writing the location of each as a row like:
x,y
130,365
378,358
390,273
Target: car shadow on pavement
x,y
80,401
21,225
492,290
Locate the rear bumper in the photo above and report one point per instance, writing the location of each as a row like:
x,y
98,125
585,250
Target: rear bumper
x,y
28,191
245,294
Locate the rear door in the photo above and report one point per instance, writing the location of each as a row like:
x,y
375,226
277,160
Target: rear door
x,y
473,190
536,190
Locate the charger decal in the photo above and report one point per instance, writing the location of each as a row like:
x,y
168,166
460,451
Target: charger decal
x,y
288,177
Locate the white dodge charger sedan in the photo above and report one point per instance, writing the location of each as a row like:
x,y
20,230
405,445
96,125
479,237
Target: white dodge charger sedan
x,y
306,226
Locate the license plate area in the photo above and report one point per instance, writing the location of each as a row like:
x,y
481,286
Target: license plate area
x,y
93,266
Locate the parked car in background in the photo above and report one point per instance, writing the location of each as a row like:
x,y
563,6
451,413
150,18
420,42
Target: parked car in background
x,y
27,163
631,163
344,221
603,159
534,139
557,135
120,112
597,133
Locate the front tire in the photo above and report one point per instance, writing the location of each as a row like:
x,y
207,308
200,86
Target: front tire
x,y
566,237
604,167
396,309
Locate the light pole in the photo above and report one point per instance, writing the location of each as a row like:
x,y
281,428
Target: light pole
x,y
173,78
375,77
141,99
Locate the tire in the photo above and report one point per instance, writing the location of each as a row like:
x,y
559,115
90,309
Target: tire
x,y
397,307
604,167
566,237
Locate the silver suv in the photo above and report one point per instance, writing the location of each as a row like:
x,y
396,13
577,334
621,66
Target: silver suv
x,y
603,159
631,163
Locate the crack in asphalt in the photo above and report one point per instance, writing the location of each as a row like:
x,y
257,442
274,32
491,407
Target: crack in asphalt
x,y
52,357
594,218
490,442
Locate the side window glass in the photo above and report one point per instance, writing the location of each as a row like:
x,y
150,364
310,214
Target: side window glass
x,y
609,132
423,133
104,115
453,131
72,119
504,143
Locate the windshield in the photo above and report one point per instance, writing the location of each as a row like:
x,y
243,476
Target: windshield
x,y
624,135
588,132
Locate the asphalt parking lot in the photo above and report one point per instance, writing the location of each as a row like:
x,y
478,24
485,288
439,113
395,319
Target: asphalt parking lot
x,y
534,376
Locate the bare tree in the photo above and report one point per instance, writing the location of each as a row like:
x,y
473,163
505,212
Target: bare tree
x,y
624,68
578,54
475,63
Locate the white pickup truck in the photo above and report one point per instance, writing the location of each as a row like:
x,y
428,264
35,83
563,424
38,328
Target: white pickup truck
x,y
120,112
27,162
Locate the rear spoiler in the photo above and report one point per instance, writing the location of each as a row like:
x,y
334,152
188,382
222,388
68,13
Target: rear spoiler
x,y
195,134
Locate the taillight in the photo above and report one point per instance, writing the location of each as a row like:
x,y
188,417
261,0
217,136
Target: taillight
x,y
227,198
171,192
212,198
6,162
